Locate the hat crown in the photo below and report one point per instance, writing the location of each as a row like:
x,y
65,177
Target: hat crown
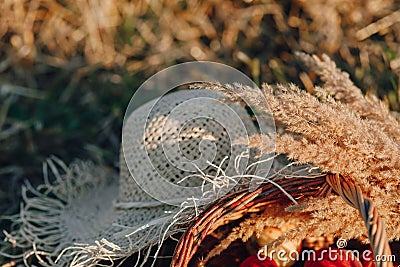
x,y
170,139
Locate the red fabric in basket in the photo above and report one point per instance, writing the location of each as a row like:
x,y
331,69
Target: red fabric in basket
x,y
367,258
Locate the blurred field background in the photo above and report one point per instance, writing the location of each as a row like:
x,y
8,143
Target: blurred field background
x,y
68,68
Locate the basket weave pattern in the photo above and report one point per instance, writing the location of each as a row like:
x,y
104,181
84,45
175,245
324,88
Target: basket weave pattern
x,y
242,202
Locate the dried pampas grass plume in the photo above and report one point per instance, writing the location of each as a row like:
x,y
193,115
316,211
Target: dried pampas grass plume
x,y
338,130
338,85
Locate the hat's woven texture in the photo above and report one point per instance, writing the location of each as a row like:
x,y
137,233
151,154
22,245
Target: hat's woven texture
x,y
87,214
177,136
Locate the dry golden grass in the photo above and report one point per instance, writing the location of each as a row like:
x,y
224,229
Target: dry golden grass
x,y
258,37
144,35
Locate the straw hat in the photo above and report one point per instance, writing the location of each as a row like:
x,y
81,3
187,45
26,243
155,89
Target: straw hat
x,y
87,213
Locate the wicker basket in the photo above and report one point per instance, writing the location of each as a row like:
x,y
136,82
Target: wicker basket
x,y
195,244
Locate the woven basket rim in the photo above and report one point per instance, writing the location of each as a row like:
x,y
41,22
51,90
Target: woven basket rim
x,y
219,212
